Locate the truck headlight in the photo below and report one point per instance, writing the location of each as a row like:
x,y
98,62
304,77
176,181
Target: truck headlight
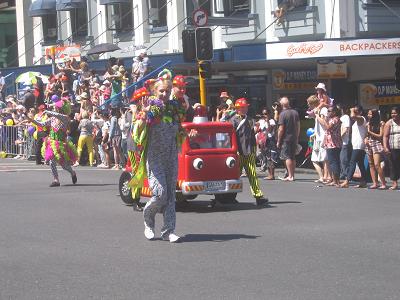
x,y
230,162
198,163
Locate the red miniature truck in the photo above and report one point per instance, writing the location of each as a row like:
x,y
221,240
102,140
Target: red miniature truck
x,y
208,164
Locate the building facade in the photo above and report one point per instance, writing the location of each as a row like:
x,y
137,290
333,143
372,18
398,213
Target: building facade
x,y
263,49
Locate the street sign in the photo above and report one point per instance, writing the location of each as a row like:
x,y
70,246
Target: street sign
x,y
200,17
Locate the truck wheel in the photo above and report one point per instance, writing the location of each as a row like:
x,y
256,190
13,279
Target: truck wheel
x,y
124,189
226,198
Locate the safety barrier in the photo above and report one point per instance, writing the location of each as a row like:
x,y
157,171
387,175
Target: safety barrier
x,y
17,140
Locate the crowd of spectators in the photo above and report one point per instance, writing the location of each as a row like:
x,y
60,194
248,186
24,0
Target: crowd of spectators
x,y
340,140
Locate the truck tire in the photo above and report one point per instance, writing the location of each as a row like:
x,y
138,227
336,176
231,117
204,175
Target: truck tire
x,y
124,189
226,198
181,198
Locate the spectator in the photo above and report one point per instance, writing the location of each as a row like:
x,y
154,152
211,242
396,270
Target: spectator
x,y
345,131
29,99
2,86
41,132
391,143
318,155
85,138
115,137
288,137
332,142
359,133
374,148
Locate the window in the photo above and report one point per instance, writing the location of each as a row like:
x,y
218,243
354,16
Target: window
x,y
232,8
387,2
49,25
79,23
158,13
120,17
290,4
203,4
210,140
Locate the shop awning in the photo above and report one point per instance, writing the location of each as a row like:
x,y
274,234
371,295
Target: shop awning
x,y
70,4
109,2
40,8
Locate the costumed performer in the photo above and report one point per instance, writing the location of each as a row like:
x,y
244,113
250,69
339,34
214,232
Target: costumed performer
x,y
179,93
244,127
56,148
159,134
138,98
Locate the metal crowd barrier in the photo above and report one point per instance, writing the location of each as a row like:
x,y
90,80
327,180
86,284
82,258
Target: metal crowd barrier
x,y
17,141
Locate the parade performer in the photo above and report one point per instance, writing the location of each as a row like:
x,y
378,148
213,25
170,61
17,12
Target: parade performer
x,y
244,127
41,133
158,134
179,93
56,148
138,98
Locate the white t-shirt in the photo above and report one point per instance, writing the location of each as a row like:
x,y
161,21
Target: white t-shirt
x,y
345,119
265,126
319,131
359,132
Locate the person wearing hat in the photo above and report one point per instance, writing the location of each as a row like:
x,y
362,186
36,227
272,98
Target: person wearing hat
x,y
57,149
179,93
321,93
244,127
86,104
41,132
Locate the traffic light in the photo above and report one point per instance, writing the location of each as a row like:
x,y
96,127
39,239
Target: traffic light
x,y
205,69
204,45
188,45
397,74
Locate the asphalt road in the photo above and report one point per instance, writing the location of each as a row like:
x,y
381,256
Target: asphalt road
x,y
81,242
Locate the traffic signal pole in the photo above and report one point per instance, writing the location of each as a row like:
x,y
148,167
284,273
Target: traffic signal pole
x,y
202,85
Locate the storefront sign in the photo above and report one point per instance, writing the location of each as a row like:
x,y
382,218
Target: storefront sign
x,y
341,48
294,80
382,93
332,69
61,52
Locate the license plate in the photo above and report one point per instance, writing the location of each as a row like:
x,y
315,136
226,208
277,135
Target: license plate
x,y
215,185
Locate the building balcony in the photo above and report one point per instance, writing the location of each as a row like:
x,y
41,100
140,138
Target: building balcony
x,y
307,21
376,19
245,30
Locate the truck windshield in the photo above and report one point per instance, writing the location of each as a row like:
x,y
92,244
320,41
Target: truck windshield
x,y
210,140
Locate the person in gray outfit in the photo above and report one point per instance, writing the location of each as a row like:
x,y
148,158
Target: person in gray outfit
x,y
162,158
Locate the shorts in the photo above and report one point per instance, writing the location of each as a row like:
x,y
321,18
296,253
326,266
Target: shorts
x,y
116,141
373,147
318,153
288,150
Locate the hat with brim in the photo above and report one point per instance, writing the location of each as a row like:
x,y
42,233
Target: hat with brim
x,y
321,86
84,96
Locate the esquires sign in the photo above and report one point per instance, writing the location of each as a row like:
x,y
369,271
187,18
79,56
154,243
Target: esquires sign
x,y
303,80
374,94
335,48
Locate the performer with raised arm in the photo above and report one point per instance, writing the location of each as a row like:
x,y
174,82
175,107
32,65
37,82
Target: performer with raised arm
x,y
56,148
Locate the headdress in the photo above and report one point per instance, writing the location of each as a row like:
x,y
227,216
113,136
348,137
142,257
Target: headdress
x,y
179,80
139,93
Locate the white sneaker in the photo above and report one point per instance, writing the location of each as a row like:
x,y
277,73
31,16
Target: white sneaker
x,y
75,164
172,238
18,157
149,233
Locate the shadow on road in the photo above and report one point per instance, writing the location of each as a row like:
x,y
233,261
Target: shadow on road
x,y
207,207
91,184
216,237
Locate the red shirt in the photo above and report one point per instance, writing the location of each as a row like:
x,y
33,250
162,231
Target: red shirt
x,y
333,138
